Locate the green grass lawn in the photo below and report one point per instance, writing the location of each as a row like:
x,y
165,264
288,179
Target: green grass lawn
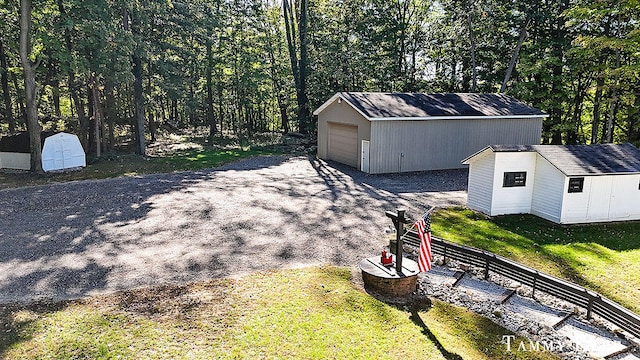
x,y
601,257
112,165
301,314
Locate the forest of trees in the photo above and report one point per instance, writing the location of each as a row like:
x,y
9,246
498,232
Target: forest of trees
x,y
108,69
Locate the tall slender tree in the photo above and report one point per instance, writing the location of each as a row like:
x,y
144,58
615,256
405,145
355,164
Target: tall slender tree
x,y
132,22
4,84
29,69
297,18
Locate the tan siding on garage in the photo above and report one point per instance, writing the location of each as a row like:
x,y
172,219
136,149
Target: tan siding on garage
x,y
399,146
341,113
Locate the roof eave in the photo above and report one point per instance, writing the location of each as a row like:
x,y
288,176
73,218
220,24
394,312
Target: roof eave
x,y
451,117
601,174
338,96
466,160
326,104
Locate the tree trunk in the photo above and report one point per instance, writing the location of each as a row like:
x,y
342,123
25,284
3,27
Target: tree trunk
x,y
30,87
221,107
472,41
574,132
109,114
304,115
277,88
54,82
73,85
633,132
152,126
211,120
290,32
19,98
151,113
97,113
558,38
4,82
91,120
597,105
613,110
298,67
175,117
55,88
514,56
138,94
83,123
613,104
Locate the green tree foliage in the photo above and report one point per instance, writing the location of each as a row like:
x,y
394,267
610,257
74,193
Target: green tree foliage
x,y
114,67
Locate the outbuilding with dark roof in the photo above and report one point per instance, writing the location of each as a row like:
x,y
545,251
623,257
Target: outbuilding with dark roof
x,y
399,132
566,184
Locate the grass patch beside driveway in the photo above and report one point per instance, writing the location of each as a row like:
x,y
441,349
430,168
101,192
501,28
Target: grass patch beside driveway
x,y
115,165
601,257
306,313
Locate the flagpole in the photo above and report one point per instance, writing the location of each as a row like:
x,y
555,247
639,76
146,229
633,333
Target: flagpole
x,y
399,226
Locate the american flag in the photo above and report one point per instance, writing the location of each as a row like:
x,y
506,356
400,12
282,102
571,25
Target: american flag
x,y
424,233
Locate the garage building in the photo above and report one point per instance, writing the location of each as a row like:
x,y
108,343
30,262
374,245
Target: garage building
x,y
400,132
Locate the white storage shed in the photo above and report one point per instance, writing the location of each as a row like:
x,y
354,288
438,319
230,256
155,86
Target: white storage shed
x,y
400,132
59,152
565,184
62,151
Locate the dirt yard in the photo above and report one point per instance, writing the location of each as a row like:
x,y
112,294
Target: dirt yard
x,y
81,238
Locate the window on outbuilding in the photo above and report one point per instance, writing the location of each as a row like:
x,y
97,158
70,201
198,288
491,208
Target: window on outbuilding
x,y
513,179
576,184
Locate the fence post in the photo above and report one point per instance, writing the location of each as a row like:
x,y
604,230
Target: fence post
x,y
486,265
535,281
590,305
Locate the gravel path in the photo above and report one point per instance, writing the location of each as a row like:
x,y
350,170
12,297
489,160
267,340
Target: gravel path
x,y
576,338
537,320
82,238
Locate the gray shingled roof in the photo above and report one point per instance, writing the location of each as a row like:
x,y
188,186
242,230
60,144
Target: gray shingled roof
x,y
413,105
512,148
581,160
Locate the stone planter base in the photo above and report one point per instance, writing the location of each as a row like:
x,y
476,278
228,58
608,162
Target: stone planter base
x,y
387,281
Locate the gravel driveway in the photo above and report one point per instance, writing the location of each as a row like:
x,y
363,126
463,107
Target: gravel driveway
x,y
83,238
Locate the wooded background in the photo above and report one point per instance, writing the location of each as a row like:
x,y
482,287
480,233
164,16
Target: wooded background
x,y
113,69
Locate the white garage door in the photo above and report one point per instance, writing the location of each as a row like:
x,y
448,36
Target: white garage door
x,y
343,144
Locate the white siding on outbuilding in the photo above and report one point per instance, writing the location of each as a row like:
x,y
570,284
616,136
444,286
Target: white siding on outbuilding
x,y
548,188
610,182
604,198
625,193
517,199
480,185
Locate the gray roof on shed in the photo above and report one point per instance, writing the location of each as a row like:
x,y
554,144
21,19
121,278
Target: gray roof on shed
x,y
389,106
581,160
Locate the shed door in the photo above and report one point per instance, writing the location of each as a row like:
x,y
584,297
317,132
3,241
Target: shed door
x,y
599,199
343,144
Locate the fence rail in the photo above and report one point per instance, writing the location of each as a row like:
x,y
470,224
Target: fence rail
x,y
593,302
